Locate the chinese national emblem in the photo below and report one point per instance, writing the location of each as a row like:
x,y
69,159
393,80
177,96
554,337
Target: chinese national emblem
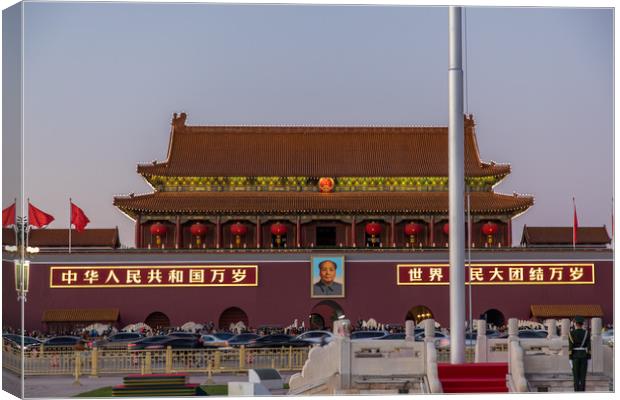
x,y
326,185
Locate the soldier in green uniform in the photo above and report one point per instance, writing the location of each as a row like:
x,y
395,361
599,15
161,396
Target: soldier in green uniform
x,y
579,354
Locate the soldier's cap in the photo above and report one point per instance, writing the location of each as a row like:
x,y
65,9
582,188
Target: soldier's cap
x,y
579,320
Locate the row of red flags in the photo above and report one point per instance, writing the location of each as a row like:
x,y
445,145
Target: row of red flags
x,y
41,219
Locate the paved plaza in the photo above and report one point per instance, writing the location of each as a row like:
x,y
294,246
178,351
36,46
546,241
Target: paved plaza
x,y
64,386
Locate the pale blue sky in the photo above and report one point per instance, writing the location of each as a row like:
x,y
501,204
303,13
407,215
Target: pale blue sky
x,y
102,81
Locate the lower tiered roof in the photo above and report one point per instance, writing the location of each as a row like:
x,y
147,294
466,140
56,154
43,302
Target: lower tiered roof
x,y
304,203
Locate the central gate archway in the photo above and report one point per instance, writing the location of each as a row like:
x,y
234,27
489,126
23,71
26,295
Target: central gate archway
x,y
157,320
418,314
232,315
325,313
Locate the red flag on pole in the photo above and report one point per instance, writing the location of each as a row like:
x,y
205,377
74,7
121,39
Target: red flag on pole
x,y
8,216
78,218
37,217
575,223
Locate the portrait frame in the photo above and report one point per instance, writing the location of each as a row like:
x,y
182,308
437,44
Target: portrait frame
x,y
315,277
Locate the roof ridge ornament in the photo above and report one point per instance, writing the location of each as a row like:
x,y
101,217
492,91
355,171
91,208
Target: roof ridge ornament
x,y
178,121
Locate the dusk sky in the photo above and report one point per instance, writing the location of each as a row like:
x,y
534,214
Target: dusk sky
x,y
101,81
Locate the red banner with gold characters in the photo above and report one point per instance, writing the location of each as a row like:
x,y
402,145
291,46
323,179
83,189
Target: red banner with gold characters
x,y
153,276
498,274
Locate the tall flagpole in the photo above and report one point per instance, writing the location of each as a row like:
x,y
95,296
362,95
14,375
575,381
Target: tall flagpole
x,y
69,225
471,316
456,179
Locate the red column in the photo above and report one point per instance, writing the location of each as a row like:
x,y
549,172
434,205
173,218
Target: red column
x,y
178,234
393,231
509,233
298,231
138,233
218,233
432,231
258,235
353,238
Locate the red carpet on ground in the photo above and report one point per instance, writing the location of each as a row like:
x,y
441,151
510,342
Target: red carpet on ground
x,y
473,378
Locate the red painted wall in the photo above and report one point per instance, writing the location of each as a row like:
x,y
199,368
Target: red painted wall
x,y
283,294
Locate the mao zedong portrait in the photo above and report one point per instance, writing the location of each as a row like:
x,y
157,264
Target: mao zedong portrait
x,y
327,285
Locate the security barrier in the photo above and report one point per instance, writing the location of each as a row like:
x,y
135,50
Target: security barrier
x,y
103,362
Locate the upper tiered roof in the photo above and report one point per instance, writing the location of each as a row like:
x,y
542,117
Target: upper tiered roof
x,y
313,151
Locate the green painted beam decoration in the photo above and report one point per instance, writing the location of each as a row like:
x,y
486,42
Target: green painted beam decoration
x,y
301,183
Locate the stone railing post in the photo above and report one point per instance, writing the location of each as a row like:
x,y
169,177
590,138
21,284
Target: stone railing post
x,y
596,342
482,346
342,330
94,362
552,331
429,330
564,328
409,329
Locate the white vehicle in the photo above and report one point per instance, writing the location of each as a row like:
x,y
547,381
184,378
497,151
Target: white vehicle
x,y
316,337
608,336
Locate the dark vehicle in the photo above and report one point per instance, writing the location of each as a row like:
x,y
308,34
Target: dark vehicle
x,y
357,335
242,339
187,335
528,334
277,340
394,336
175,343
119,341
147,341
64,341
16,340
223,335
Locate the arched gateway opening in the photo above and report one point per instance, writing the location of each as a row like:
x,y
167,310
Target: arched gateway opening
x,y
324,314
418,314
232,315
157,320
493,317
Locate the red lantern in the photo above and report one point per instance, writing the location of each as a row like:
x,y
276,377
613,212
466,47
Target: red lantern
x,y
199,230
373,228
278,229
326,185
446,228
412,229
238,229
489,229
158,229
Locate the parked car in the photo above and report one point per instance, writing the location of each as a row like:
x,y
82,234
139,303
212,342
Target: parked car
x,y
18,341
357,335
223,335
175,343
242,339
187,335
277,340
528,334
118,341
608,336
441,339
316,337
143,343
63,341
394,336
212,341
